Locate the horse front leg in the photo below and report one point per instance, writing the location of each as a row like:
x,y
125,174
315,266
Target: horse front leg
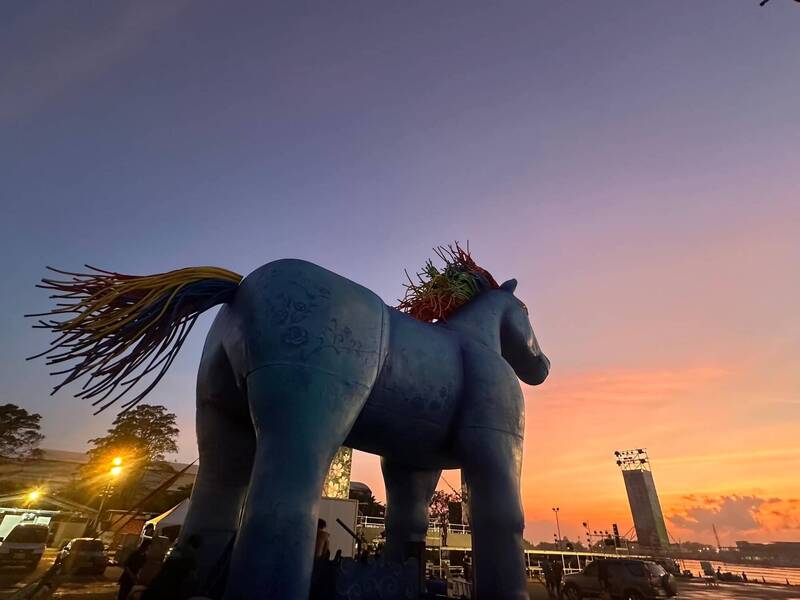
x,y
301,416
408,492
492,465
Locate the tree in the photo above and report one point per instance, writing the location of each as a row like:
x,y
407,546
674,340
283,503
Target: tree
x,y
145,433
369,506
138,440
19,433
439,508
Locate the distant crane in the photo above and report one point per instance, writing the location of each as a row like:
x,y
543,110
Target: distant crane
x,y
716,535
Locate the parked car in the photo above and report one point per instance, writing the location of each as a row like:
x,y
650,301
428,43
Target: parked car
x,y
83,555
627,579
24,545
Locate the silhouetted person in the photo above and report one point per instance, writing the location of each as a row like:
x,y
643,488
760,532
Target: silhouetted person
x,y
175,576
558,573
322,545
130,569
547,571
602,575
322,570
744,576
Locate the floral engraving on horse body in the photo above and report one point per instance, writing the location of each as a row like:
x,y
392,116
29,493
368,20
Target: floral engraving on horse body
x,y
340,339
295,336
289,309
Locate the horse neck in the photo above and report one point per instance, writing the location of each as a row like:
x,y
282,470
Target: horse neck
x,y
480,320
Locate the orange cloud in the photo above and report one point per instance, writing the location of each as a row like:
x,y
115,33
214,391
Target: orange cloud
x,y
736,517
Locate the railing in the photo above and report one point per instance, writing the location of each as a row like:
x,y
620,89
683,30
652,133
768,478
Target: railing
x,y
376,522
451,527
433,526
572,561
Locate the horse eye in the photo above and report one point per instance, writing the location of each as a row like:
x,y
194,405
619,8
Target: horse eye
x,y
525,308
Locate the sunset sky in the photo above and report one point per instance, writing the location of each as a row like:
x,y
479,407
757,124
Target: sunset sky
x,y
633,165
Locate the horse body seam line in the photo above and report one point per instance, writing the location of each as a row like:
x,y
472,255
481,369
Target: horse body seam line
x,y
516,435
283,363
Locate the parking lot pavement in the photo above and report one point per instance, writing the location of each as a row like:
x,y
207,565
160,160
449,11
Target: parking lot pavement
x,y
15,578
74,587
90,587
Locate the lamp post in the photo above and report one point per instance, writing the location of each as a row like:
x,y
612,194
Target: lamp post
x,y
113,473
558,527
588,534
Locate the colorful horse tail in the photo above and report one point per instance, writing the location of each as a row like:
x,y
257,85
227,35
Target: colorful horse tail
x,y
122,328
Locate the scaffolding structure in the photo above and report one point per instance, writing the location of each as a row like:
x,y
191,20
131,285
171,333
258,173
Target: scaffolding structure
x,y
648,519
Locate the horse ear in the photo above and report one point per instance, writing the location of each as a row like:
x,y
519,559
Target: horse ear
x,y
509,285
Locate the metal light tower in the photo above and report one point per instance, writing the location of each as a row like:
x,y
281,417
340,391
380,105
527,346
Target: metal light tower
x,y
651,531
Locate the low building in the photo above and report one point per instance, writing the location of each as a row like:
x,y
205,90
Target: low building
x,y
57,469
775,553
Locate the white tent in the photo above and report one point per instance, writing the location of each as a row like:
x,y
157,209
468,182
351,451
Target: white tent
x,y
331,509
175,516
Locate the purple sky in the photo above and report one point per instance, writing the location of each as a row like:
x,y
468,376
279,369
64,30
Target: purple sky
x,y
634,165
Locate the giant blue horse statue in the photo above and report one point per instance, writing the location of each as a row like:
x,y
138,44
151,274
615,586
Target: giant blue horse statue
x,y
300,361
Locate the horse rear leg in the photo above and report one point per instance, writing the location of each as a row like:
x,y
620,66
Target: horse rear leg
x,y
301,416
226,443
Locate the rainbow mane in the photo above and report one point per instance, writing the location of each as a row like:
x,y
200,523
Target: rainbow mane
x,y
437,294
121,328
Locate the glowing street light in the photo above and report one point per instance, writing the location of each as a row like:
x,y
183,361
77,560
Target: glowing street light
x,y
34,495
114,472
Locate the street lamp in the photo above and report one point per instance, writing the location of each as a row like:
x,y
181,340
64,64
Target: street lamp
x,y
114,472
558,527
33,496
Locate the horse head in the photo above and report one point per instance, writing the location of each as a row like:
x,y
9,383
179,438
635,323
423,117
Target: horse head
x,y
517,340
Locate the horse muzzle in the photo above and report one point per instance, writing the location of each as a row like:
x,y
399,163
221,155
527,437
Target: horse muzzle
x,y
535,371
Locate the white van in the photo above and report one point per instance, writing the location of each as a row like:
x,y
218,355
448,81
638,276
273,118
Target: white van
x,y
24,545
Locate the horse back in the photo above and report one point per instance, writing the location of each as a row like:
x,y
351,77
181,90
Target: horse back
x,y
294,313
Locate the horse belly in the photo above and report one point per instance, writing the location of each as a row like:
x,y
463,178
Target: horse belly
x,y
409,414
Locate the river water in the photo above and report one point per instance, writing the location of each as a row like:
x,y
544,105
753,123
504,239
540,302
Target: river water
x,y
769,574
